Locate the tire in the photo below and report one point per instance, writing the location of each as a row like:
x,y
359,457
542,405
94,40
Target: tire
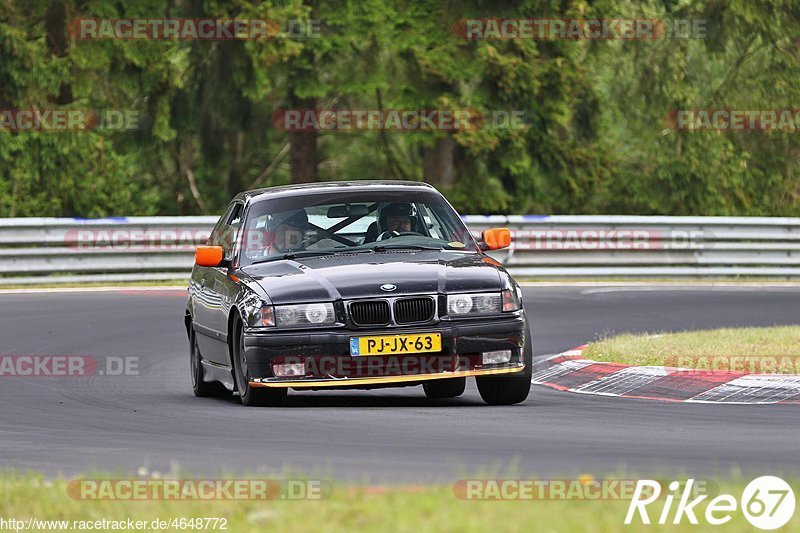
x,y
445,388
251,396
508,390
201,388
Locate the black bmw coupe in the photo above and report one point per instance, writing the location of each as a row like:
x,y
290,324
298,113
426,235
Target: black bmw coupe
x,y
353,285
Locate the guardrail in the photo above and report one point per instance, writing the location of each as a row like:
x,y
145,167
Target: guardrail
x,y
66,250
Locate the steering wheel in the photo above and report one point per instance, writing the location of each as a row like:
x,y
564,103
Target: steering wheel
x,y
392,234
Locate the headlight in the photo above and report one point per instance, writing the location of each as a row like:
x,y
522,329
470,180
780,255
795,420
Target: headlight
x,y
320,314
474,304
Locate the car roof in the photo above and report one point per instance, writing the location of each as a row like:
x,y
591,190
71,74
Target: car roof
x,y
301,189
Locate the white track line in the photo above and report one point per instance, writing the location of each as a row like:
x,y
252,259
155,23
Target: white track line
x,y
52,290
678,285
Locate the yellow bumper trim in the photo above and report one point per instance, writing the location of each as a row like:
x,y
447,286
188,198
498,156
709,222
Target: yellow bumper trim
x,y
356,382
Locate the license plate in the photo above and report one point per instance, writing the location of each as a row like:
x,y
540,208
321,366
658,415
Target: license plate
x,y
396,344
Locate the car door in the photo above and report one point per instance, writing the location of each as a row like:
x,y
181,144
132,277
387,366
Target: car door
x,y
214,294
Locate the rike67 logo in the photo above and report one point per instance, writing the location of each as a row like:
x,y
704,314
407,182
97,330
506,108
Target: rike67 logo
x,y
767,502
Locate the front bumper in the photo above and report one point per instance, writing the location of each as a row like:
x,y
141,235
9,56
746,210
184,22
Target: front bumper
x,y
328,363
411,379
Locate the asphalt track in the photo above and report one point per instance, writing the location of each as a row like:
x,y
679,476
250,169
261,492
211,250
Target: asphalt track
x,y
118,424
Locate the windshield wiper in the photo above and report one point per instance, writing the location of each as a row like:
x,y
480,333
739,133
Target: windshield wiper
x,y
385,247
308,253
319,253
292,255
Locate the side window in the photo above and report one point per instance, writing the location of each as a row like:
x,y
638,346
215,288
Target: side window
x,y
214,239
432,224
227,229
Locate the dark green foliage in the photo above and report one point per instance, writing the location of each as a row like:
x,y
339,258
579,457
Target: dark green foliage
x,y
594,139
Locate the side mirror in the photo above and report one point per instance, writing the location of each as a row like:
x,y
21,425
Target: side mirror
x,y
208,256
496,238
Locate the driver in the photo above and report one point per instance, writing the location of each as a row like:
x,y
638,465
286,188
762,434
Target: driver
x,y
398,217
290,230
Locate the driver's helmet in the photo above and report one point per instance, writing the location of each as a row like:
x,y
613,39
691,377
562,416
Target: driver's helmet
x,y
297,219
280,225
398,210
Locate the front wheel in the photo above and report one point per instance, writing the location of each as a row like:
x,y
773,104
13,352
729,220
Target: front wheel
x,y
508,390
251,396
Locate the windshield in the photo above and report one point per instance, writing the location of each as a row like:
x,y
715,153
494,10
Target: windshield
x,y
328,223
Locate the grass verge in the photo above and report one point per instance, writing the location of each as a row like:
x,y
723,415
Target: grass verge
x,y
348,508
669,349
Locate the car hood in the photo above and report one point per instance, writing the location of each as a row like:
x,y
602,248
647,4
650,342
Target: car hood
x,y
349,276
